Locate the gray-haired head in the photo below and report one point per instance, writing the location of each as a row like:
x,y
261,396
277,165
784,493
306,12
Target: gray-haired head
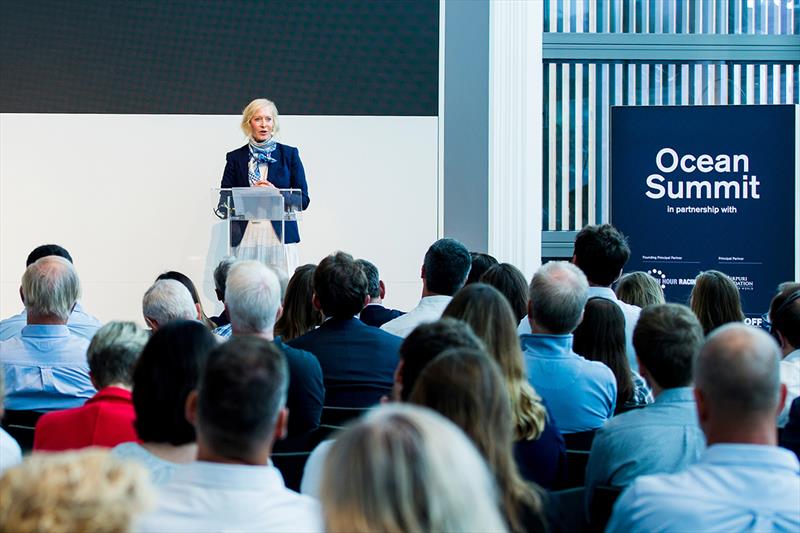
x,y
167,300
737,374
558,294
50,288
113,352
221,275
373,278
252,297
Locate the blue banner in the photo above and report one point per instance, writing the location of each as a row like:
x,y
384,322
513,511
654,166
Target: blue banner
x,y
708,187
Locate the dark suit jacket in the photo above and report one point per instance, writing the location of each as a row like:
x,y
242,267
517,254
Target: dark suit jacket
x,y
306,390
790,435
377,315
285,173
358,361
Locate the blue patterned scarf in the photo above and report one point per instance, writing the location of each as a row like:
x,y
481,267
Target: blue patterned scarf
x,y
260,154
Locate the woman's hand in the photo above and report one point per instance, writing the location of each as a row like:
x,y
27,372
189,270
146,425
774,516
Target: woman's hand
x,y
263,183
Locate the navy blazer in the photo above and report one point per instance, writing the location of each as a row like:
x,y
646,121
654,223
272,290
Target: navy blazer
x,y
358,361
306,390
377,315
285,173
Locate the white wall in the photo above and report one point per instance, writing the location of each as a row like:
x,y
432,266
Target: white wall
x,y
129,197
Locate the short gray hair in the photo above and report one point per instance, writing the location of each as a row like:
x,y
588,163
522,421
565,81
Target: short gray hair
x,y
113,352
738,372
168,300
252,296
558,294
50,287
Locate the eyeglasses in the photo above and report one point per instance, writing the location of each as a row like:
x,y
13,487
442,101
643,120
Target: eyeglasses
x,y
765,323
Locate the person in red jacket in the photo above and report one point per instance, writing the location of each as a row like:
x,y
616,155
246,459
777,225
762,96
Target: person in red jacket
x,y
107,418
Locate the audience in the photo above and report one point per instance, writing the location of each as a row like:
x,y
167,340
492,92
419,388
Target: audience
x,y
167,300
663,437
374,313
238,410
784,324
10,452
107,418
80,322
220,275
167,371
405,468
186,282
743,482
45,366
299,315
639,289
466,387
790,434
715,300
253,301
601,337
481,262
357,360
539,449
444,271
511,283
88,490
580,394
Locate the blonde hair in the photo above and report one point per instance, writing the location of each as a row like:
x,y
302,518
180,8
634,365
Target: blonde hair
x,y
489,314
88,490
254,107
405,468
640,288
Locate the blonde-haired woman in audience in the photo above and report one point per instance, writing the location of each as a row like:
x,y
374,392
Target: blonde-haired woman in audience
x,y
88,490
299,315
640,288
466,387
715,300
539,448
404,468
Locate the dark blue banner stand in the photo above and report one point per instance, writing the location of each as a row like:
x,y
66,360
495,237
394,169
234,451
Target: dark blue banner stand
x,y
709,187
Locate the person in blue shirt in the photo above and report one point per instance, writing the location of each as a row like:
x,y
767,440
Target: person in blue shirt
x,y
45,367
80,322
744,481
581,394
663,437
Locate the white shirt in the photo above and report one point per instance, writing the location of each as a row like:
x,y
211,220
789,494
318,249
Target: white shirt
x,y
204,496
10,453
790,376
312,472
429,309
734,487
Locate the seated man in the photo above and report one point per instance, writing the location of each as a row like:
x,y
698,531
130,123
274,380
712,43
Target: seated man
x,y
238,412
663,437
45,366
357,360
107,418
784,314
743,482
167,300
79,323
580,394
253,303
374,313
444,272
220,277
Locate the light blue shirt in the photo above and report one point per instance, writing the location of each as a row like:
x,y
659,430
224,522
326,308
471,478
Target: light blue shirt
x,y
734,487
160,469
224,331
46,369
80,323
661,438
581,394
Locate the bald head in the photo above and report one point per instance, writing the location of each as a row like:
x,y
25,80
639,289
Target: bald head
x,y
50,288
737,375
558,293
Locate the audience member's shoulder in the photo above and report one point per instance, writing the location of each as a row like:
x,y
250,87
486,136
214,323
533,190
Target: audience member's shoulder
x,y
10,452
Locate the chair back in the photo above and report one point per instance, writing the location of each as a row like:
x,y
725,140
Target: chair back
x,y
603,500
579,441
339,416
576,469
291,465
567,510
21,425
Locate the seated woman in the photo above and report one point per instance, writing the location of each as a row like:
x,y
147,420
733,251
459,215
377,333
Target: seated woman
x,y
639,288
467,388
405,468
510,281
715,300
299,315
601,337
166,373
539,448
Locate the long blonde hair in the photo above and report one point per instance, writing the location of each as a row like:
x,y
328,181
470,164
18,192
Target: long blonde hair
x,y
489,314
405,468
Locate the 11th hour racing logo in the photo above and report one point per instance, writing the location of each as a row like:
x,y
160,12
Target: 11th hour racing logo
x,y
665,281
